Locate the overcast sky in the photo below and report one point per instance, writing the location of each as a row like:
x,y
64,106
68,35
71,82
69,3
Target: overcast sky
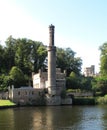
x,y
79,24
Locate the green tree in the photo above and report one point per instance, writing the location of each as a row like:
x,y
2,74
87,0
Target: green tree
x,y
73,81
30,55
23,55
103,59
2,86
66,60
16,77
86,83
99,84
39,54
2,63
4,82
9,54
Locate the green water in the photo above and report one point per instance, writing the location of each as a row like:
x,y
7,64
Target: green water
x,y
54,118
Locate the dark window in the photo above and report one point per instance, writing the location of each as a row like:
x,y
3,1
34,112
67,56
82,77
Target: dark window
x,y
19,93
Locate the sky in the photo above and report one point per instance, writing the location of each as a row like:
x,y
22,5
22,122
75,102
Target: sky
x,y
79,24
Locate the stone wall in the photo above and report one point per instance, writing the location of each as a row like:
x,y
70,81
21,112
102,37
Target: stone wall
x,y
26,95
4,95
81,94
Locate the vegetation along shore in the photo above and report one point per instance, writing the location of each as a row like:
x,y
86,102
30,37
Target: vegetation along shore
x,y
20,57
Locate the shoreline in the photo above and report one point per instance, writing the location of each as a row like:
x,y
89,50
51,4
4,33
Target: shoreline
x,y
4,107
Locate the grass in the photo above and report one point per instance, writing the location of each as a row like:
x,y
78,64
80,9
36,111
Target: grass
x,y
6,103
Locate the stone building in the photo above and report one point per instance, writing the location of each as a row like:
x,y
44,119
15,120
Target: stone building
x,y
89,71
25,95
47,86
40,81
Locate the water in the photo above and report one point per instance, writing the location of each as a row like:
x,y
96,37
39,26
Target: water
x,y
54,118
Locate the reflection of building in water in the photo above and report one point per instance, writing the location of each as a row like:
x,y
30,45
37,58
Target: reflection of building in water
x,y
43,119
48,85
89,71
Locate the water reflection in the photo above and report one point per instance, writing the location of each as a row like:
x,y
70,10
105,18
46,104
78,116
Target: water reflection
x,y
75,118
54,118
91,119
6,119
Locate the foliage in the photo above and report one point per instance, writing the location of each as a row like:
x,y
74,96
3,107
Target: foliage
x,y
84,101
30,55
101,100
103,59
2,67
4,82
75,81
100,84
39,55
9,53
86,83
16,77
20,57
73,90
66,60
70,84
25,54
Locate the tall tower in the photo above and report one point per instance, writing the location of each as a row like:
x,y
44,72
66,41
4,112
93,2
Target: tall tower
x,y
51,62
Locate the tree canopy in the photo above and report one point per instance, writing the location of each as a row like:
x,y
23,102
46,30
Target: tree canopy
x,y
103,59
23,56
66,60
99,83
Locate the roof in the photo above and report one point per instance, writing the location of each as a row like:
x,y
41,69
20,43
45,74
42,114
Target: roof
x,y
26,87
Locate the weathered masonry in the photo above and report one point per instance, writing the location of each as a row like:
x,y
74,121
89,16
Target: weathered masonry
x,y
47,86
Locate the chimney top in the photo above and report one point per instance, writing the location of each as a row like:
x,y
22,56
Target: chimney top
x,y
51,26
51,33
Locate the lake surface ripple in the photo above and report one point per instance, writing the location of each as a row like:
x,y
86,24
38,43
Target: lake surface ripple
x,y
54,118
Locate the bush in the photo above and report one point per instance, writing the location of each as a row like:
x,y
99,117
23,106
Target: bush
x,y
73,90
84,101
101,100
98,93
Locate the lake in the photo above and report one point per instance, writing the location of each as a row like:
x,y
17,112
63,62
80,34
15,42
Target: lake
x,y
54,118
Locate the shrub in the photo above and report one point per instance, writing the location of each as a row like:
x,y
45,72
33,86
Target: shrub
x,y
84,101
101,100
